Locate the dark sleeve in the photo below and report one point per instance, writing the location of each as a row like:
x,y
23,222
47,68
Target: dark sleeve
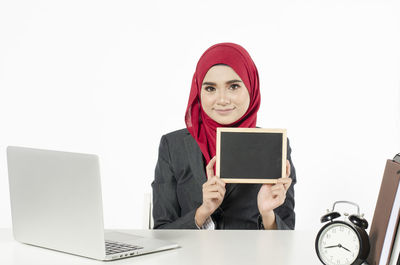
x,y
166,208
285,216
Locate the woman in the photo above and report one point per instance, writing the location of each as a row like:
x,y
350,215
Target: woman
x,y
186,192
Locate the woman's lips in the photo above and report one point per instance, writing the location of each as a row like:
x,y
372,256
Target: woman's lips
x,y
224,111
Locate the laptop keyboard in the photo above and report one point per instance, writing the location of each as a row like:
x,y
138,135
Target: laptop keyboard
x,y
113,247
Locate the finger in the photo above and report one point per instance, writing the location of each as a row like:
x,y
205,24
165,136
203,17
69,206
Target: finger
x,y
283,181
214,188
287,168
280,191
214,184
212,181
286,182
278,187
267,186
210,167
220,182
221,190
209,182
213,196
279,196
281,188
287,185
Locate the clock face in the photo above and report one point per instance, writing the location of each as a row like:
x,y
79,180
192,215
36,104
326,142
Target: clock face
x,y
338,244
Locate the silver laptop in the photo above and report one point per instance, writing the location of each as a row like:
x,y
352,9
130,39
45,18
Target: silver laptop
x,y
56,203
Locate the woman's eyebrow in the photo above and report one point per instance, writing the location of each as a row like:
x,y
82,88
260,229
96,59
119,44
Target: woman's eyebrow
x,y
233,81
209,84
227,82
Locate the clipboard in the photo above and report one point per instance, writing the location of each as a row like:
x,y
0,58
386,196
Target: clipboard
x,y
382,234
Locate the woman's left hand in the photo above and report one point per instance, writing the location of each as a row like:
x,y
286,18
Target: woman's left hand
x,y
271,196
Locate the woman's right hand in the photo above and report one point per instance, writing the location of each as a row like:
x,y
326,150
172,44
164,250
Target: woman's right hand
x,y
213,194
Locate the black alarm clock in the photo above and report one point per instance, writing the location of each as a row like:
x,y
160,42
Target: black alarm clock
x,y
343,242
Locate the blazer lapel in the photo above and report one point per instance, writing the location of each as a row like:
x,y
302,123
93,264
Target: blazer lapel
x,y
195,159
196,163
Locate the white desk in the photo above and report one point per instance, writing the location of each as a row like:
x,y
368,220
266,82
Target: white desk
x,y
197,247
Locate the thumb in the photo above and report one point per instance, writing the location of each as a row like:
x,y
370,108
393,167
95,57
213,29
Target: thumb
x,y
210,167
287,168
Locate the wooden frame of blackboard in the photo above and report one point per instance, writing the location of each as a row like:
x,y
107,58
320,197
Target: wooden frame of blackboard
x,y
251,130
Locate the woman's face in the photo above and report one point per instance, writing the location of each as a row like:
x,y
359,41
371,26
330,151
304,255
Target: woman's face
x,y
224,97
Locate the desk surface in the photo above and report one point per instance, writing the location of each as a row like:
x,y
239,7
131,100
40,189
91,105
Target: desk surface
x,y
197,247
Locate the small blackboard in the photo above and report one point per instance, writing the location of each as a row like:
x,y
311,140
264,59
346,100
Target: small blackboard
x,y
251,155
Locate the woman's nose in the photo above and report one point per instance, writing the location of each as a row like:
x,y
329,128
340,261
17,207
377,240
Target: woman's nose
x,y
223,98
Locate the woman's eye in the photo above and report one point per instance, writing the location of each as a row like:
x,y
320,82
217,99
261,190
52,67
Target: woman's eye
x,y
235,86
209,89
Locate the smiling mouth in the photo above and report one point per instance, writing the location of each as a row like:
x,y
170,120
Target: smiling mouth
x,y
224,111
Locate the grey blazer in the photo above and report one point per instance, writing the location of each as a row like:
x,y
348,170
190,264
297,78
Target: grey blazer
x,y
177,191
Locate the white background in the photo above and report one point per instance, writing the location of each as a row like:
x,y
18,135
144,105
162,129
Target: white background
x,y
111,77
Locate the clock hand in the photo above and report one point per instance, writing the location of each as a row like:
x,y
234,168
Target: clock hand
x,y
335,246
344,248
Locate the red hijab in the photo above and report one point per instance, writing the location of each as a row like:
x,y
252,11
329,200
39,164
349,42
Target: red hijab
x,y
200,125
